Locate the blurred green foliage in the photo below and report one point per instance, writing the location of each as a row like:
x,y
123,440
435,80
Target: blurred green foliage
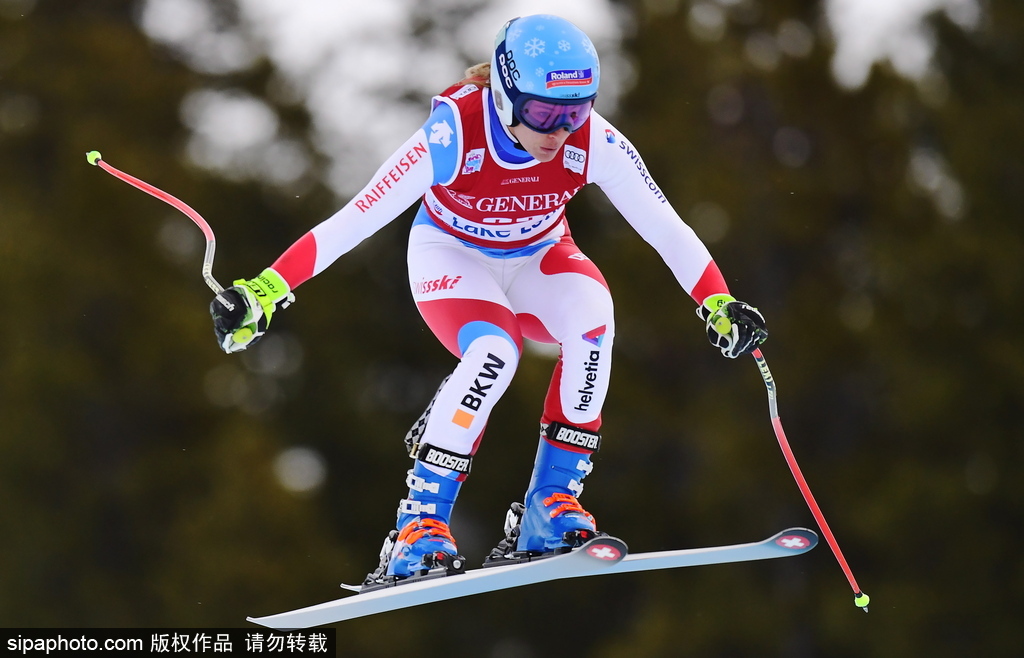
x,y
133,494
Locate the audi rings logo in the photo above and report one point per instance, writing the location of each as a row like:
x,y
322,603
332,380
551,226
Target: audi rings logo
x,y
574,159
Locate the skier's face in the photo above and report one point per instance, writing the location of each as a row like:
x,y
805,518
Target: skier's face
x,y
543,147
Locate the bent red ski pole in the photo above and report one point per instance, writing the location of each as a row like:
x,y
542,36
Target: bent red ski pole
x,y
96,159
859,598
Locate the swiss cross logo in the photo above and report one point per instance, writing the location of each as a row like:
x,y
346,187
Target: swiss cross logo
x,y
792,541
604,552
441,133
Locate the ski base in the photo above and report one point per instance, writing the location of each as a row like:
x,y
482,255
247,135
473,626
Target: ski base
x,y
602,555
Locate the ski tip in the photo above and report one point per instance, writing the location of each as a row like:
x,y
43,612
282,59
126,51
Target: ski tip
x,y
268,622
861,600
93,157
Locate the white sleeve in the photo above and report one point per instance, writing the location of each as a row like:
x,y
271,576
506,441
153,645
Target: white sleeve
x,y
398,183
616,166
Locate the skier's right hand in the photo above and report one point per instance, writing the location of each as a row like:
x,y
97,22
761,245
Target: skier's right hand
x,y
242,313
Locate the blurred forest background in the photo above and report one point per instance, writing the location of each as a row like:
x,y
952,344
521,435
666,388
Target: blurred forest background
x,y
147,479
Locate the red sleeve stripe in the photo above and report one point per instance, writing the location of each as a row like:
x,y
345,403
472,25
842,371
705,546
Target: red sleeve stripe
x,y
711,282
297,262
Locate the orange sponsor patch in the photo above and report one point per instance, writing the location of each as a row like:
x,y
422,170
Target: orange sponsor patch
x,y
462,419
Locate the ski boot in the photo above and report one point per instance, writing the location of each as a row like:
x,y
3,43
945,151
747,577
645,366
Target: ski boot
x,y
422,545
552,521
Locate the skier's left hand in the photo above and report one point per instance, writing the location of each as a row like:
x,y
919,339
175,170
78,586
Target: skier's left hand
x,y
734,327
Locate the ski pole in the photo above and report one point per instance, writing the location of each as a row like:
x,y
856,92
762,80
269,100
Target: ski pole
x,y
96,159
860,599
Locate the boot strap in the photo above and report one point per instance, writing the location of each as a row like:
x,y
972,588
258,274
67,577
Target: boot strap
x,y
417,483
420,528
442,458
571,436
568,504
415,507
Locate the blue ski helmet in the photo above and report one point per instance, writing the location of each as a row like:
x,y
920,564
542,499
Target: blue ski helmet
x,y
544,73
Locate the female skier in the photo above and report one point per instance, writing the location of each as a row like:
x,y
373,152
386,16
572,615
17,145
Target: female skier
x,y
491,261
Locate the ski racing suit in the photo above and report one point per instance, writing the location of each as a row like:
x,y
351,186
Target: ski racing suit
x,y
491,261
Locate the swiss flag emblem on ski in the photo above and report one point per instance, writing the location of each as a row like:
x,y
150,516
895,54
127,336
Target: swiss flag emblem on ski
x,y
793,541
605,552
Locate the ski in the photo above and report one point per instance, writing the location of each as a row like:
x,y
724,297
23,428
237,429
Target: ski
x,y
602,555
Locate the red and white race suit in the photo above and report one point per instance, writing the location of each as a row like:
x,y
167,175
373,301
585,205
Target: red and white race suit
x,y
491,259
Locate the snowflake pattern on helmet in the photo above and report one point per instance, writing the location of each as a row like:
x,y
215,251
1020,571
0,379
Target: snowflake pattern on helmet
x,y
542,57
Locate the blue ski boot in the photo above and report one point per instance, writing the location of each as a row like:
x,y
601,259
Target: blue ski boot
x,y
422,543
552,520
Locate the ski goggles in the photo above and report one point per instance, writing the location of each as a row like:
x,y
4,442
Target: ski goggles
x,y
546,117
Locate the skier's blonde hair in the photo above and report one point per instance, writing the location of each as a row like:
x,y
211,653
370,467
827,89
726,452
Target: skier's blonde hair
x,y
478,74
